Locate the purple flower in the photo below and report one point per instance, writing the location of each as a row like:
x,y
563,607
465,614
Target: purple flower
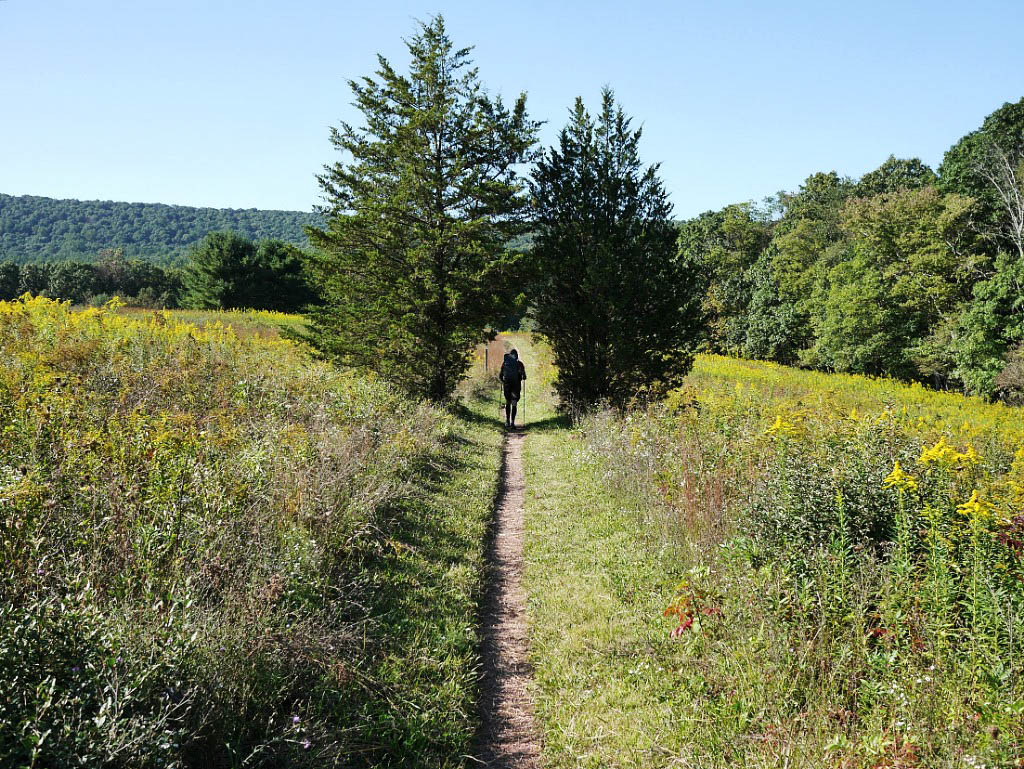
x,y
306,744
295,719
75,669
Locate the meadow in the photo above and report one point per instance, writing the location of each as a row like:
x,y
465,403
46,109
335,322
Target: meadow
x,y
219,553
776,567
266,324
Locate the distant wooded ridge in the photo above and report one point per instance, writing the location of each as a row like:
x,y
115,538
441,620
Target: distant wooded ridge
x,y
39,229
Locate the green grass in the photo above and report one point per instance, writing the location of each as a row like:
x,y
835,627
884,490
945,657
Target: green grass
x,y
220,553
595,596
834,623
428,570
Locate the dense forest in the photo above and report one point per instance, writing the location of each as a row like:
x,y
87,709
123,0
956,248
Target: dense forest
x,y
37,229
907,272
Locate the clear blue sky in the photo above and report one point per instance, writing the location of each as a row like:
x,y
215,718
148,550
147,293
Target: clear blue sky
x,y
207,102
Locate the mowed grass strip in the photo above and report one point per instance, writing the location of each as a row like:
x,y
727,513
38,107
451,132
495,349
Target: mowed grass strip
x,y
595,601
595,595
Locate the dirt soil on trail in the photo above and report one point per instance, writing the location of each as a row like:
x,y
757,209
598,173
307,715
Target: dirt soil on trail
x,y
508,736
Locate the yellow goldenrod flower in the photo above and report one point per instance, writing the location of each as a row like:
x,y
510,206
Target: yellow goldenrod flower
x,y
970,456
975,508
899,479
941,452
781,427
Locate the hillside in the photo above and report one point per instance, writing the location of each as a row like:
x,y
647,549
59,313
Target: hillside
x,y
37,229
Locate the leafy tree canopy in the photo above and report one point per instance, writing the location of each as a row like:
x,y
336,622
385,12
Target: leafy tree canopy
x,y
893,175
971,166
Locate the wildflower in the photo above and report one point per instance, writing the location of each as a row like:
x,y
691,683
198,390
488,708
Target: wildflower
x,y
781,427
681,628
295,720
970,456
899,479
941,453
975,508
306,744
944,454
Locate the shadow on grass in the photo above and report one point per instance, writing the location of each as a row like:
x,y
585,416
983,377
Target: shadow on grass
x,y
419,577
421,586
480,417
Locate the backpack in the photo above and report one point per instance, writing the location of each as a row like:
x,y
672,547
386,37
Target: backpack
x,y
511,373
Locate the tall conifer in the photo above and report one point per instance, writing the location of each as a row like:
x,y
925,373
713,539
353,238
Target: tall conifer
x,y
413,262
619,306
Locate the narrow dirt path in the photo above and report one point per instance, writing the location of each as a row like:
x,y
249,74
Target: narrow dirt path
x,y
508,736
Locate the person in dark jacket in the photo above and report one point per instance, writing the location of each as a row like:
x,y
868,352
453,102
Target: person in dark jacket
x,y
512,374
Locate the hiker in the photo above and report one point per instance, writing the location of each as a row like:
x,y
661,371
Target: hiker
x,y
512,374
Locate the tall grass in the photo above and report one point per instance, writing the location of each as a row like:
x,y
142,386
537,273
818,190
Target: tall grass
x,y
850,563
267,324
218,553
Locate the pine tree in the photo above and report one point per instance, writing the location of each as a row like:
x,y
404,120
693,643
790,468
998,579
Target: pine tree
x,y
413,263
219,271
228,271
619,306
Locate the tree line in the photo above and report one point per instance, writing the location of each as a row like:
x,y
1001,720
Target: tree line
x,y
907,272
38,229
225,271
444,217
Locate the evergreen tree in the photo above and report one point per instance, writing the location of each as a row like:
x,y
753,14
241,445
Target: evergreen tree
x,y
72,281
620,308
282,283
10,281
229,271
219,272
413,263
